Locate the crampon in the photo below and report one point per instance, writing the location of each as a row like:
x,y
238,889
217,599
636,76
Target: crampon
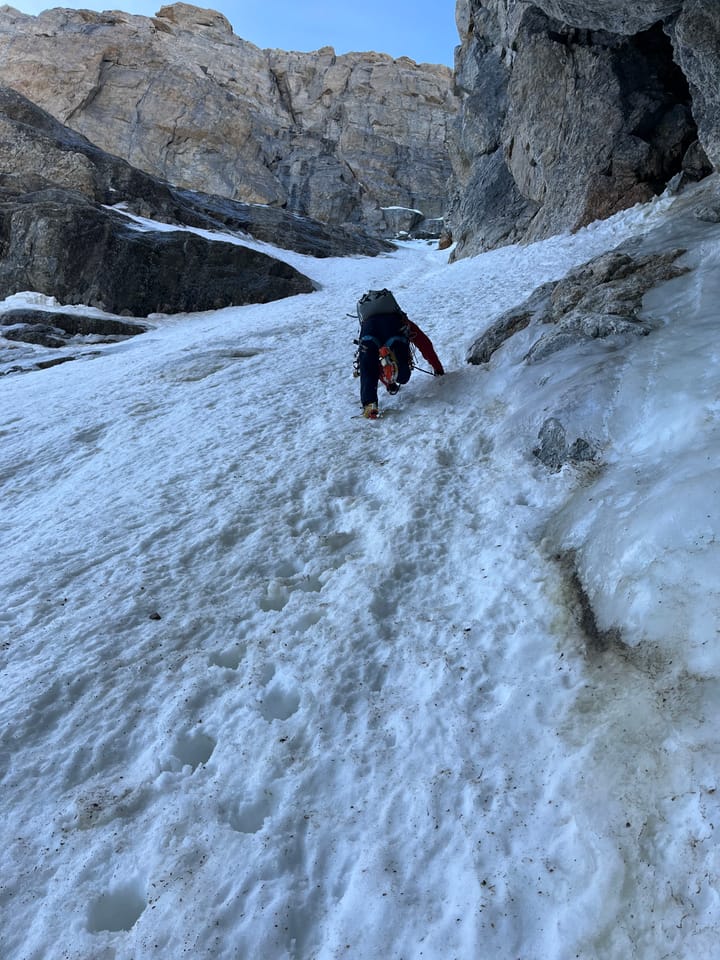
x,y
389,369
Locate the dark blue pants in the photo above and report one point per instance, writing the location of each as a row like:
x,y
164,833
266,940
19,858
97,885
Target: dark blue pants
x,y
376,332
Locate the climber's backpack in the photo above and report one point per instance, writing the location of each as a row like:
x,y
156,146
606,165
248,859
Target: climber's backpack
x,y
375,302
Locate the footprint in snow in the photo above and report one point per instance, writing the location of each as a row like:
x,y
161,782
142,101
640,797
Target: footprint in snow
x,y
250,817
229,659
117,909
190,750
278,703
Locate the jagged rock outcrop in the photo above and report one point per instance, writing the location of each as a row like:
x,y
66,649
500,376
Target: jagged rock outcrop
x,y
555,450
599,299
571,111
616,16
696,42
336,138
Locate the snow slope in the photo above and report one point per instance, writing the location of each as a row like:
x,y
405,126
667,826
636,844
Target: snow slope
x,y
279,682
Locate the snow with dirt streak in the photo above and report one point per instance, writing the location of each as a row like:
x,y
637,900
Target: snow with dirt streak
x,y
281,683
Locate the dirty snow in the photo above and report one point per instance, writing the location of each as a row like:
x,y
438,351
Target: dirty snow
x,y
282,683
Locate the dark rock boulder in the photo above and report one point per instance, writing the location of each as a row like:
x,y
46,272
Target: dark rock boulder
x,y
696,165
554,450
53,328
61,244
40,334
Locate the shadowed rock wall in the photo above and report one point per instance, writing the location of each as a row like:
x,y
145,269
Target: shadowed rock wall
x,y
572,111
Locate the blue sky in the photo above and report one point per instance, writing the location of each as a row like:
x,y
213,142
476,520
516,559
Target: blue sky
x,y
421,29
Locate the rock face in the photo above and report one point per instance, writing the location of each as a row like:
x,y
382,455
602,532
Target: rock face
x,y
179,96
40,152
58,238
562,112
37,152
696,41
616,16
69,248
571,111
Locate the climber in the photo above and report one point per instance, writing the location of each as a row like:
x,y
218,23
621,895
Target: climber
x,y
384,348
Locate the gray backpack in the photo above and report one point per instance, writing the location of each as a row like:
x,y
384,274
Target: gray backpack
x,y
374,302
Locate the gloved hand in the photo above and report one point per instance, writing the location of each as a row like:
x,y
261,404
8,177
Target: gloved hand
x,y
439,373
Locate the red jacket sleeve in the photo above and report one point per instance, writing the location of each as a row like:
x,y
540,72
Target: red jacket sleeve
x,y
424,345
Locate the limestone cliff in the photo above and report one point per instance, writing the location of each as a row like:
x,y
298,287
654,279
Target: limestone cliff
x,y
179,96
571,111
67,230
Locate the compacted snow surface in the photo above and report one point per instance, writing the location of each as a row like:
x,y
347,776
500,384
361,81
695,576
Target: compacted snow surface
x,y
279,682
